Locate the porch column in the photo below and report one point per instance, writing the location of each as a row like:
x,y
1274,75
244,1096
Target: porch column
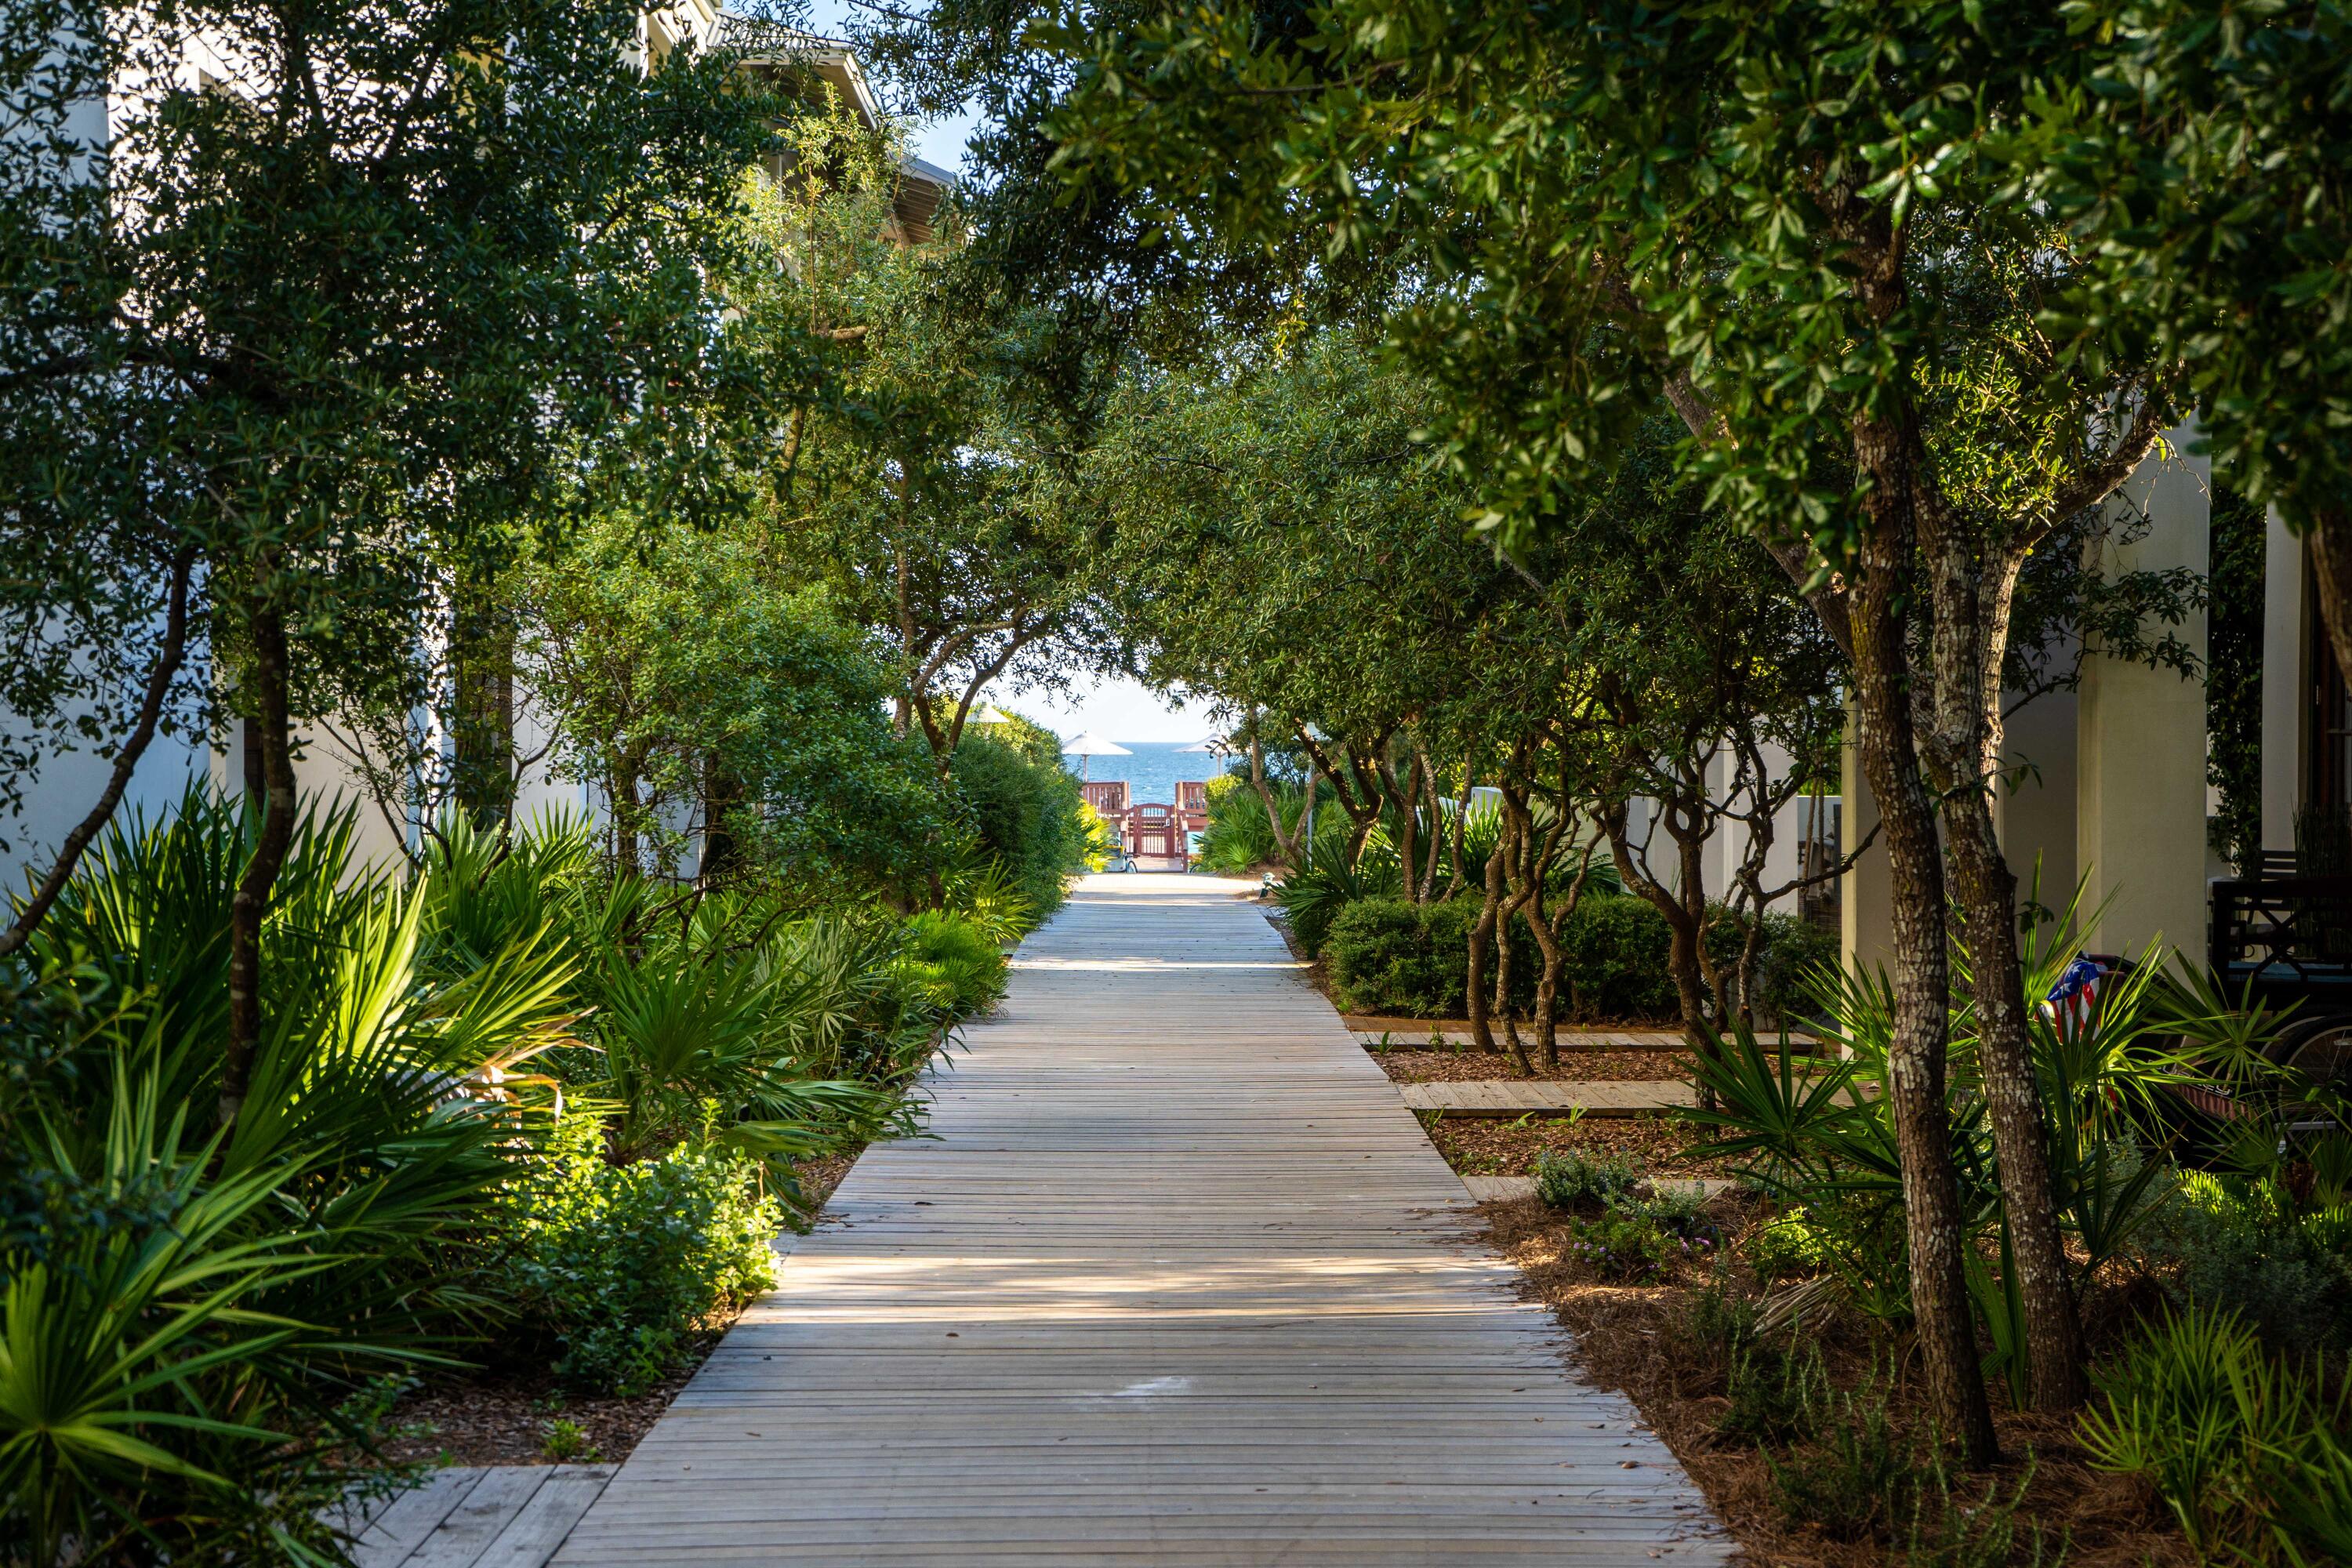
x,y
2140,744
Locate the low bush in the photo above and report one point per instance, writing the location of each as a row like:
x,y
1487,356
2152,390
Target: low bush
x,y
1794,955
1566,1178
618,1267
2231,1245
1617,948
1774,1393
1332,885
965,963
1239,839
1852,1484
1389,956
1787,1244
2251,1453
190,1319
1623,1234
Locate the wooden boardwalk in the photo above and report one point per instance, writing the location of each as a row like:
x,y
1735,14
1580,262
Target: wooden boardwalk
x,y
1178,1281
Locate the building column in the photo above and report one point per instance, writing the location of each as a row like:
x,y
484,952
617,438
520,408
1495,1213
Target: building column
x,y
2140,744
2287,684
1866,892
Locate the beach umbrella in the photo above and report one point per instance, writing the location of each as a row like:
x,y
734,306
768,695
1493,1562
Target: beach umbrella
x,y
1091,744
988,713
1215,745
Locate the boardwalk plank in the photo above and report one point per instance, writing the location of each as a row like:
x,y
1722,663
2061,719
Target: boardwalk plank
x,y
1178,1281
493,1503
531,1536
409,1518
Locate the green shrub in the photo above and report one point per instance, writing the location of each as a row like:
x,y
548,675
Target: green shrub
x,y
1312,899
1719,1321
1238,838
619,1266
2232,1246
1787,1244
1866,1482
1852,1486
1025,808
1382,959
966,962
1566,1178
150,1408
1620,1245
1617,948
1775,1394
2253,1455
1388,956
1635,1235
1794,950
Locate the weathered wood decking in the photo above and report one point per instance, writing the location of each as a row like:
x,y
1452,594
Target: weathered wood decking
x,y
1178,1281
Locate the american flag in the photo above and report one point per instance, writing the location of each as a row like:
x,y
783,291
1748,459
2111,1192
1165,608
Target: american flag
x,y
2074,1000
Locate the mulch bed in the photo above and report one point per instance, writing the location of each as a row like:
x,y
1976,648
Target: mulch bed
x,y
1638,1339
1575,1067
1485,1146
504,1420
504,1417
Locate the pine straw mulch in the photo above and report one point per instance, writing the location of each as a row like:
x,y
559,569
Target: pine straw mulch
x,y
1635,1338
503,1416
1426,1066
1489,1146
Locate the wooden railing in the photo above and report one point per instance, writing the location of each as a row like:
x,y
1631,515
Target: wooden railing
x,y
2291,937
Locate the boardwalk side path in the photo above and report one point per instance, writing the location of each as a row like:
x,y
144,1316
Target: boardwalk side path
x,y
1179,1281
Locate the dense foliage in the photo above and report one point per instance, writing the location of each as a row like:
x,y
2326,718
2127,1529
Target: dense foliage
x,y
616,1264
517,1106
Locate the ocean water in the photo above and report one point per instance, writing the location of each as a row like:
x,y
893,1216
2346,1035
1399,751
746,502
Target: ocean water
x,y
1153,773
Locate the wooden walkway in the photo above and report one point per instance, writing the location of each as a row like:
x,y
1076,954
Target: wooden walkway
x,y
1178,1281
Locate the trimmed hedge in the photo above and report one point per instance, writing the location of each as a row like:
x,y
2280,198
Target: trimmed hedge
x,y
1387,956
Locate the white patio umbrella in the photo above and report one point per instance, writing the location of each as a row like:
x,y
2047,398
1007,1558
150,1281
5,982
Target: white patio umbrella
x,y
1091,744
988,713
1215,745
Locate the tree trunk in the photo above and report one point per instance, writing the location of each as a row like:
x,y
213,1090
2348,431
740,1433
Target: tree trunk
x,y
483,653
1915,1055
2330,542
271,729
1988,906
1683,930
1436,831
628,855
1970,595
1547,928
1407,801
1459,874
1283,843
1971,628
168,661
1481,933
722,792
1514,853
